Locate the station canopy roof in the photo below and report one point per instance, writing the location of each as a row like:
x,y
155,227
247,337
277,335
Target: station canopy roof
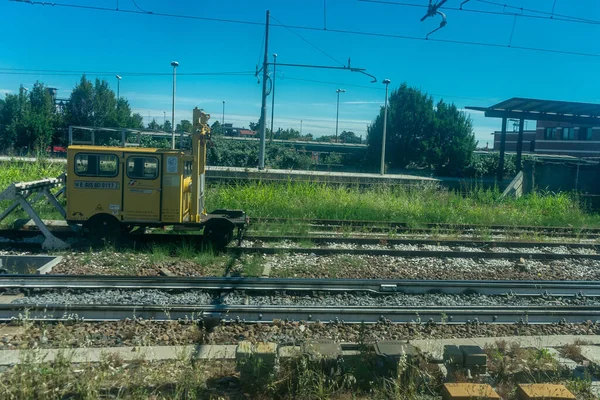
x,y
544,110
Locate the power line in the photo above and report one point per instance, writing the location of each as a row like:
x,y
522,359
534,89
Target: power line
x,y
341,31
381,89
559,17
313,45
551,14
27,71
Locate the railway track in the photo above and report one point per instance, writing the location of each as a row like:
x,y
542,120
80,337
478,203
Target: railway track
x,y
377,286
323,245
331,314
434,229
469,314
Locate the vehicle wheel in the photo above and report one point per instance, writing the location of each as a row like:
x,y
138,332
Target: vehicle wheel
x,y
218,235
102,229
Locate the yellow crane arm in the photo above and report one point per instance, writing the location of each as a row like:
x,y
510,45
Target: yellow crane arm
x,y
199,140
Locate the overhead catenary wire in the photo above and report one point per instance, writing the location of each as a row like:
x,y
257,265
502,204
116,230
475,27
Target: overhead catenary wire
x,y
340,31
57,72
380,88
557,17
311,44
550,15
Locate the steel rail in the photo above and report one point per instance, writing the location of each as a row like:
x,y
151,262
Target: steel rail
x,y
392,224
321,239
195,239
381,286
322,251
380,240
266,314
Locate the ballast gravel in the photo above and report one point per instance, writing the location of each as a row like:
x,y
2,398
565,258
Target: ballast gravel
x,y
498,248
390,267
140,332
317,299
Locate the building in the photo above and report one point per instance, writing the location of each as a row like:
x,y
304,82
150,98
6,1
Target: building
x,y
554,138
230,130
562,127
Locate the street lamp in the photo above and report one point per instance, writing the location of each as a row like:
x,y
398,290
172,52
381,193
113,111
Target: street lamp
x,y
175,64
337,117
223,119
164,119
386,82
273,94
118,87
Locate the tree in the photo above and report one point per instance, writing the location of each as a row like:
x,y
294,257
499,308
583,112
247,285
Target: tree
x,y
450,146
410,119
254,126
440,137
97,105
154,126
42,119
349,137
185,126
13,127
216,129
325,138
287,134
167,127
80,108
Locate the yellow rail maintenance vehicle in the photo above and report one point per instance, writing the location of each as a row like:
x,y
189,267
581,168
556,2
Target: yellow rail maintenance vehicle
x,y
114,191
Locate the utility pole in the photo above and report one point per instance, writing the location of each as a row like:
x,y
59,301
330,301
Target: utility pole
x,y
386,82
118,88
223,118
175,64
273,94
337,116
300,127
164,119
263,112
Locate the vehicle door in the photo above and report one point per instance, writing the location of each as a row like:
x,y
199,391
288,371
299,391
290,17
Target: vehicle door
x,y
142,187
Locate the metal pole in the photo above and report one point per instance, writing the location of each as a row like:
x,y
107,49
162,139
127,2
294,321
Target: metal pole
x,y
175,64
337,115
118,88
300,127
263,112
502,149
223,118
273,94
164,119
519,146
382,170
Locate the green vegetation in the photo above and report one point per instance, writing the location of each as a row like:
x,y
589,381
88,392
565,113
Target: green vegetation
x,y
415,205
439,137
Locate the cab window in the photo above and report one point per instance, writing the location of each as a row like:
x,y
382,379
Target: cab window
x,y
106,165
139,167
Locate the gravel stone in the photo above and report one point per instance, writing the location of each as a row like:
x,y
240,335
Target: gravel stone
x,y
315,299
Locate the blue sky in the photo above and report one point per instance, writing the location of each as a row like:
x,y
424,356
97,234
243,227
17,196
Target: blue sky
x,y
75,39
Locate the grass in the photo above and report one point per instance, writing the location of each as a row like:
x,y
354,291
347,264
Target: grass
x,y
416,206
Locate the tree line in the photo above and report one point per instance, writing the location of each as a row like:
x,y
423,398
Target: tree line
x,y
420,133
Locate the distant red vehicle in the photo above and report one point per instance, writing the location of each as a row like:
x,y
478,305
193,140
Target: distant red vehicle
x,y
56,150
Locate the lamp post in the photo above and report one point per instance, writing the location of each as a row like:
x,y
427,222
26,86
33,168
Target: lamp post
x,y
164,119
386,82
223,118
175,64
273,94
118,87
337,116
